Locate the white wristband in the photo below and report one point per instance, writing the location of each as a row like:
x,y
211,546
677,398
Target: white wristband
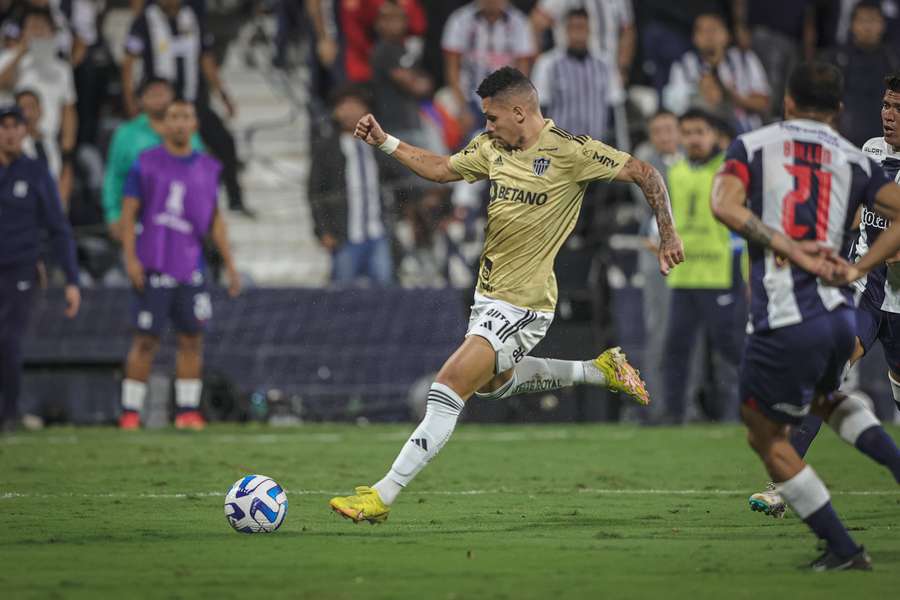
x,y
389,145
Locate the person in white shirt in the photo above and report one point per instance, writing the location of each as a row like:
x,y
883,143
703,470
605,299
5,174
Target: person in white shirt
x,y
34,65
719,78
612,36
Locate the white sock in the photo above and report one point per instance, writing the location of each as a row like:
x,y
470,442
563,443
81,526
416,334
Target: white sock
x,y
187,393
534,374
895,389
133,394
441,411
804,492
851,417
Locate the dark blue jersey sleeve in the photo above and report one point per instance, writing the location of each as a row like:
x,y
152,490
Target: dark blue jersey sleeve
x,y
132,185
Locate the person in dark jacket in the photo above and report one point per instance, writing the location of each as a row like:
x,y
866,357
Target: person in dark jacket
x,y
864,61
345,196
29,205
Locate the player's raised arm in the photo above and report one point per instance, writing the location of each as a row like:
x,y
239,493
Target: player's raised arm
x,y
652,184
431,166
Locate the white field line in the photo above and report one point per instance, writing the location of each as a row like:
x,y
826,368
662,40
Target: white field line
x,y
598,491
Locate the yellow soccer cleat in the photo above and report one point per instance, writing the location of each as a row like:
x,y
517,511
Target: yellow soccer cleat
x,y
621,376
366,505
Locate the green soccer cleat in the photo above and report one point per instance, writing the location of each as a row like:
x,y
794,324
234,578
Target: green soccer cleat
x,y
366,505
768,502
621,376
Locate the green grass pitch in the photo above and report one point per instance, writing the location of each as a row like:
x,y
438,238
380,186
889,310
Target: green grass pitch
x,y
545,512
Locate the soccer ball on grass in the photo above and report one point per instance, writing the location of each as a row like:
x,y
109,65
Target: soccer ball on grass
x,y
255,504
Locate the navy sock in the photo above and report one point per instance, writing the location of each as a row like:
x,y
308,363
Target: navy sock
x,y
878,445
802,435
827,526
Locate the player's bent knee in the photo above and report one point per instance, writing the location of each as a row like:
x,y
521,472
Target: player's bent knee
x,y
145,344
190,343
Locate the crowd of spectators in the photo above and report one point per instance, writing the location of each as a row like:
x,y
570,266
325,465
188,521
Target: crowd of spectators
x,y
622,71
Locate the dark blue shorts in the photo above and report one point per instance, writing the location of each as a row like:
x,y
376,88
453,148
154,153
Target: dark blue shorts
x,y
873,324
784,369
186,304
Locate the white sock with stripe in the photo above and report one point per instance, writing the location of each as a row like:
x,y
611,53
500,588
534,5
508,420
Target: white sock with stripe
x,y
133,394
441,412
534,374
187,393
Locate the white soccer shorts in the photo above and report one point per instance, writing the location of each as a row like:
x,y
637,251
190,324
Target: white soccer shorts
x,y
511,330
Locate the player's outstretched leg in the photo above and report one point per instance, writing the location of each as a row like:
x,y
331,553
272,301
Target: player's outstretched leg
x,y
769,501
470,368
611,369
802,489
850,417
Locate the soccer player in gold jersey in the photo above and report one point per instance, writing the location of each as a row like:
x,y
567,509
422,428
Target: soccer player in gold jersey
x,y
538,174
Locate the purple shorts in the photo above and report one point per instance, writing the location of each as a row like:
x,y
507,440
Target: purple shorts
x,y
872,324
784,369
186,304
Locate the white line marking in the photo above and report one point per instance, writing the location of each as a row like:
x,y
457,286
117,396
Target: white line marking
x,y
622,492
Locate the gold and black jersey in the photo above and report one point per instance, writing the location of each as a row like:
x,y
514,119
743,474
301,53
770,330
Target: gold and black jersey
x,y
535,198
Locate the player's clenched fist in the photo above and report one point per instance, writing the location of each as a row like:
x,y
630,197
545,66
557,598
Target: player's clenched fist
x,y
369,131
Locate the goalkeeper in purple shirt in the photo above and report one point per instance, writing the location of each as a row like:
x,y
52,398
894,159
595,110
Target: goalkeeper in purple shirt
x,y
171,192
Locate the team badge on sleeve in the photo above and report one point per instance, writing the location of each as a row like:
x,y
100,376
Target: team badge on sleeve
x,y
540,165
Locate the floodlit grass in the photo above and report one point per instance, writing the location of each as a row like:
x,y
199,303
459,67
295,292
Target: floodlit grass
x,y
503,512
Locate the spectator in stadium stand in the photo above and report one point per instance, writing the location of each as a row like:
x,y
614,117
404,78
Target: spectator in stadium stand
x,y
864,61
665,30
170,41
33,145
345,197
576,85
719,78
130,139
478,39
782,34
29,206
398,81
33,64
841,17
611,22
357,18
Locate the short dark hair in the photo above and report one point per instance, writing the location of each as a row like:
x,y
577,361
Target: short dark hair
x,y
41,13
26,92
580,12
892,82
151,81
181,100
351,90
662,113
816,86
712,15
866,5
505,80
698,114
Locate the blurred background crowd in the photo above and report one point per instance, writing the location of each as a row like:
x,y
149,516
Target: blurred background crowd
x,y
279,84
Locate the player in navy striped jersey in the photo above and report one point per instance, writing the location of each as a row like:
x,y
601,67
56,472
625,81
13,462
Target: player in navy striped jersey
x,y
878,316
793,189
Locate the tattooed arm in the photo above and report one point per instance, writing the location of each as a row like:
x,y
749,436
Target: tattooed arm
x,y
423,163
652,184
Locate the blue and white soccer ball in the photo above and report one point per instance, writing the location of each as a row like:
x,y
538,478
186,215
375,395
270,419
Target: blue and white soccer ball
x,y
256,504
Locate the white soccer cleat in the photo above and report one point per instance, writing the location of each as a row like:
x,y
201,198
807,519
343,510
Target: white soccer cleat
x,y
768,502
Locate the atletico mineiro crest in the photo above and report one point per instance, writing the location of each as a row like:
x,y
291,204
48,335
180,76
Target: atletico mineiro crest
x,y
540,165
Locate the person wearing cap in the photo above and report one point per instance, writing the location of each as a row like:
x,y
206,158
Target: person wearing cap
x,y
29,206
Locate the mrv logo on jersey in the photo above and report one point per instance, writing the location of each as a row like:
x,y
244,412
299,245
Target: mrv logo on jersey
x,y
502,192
